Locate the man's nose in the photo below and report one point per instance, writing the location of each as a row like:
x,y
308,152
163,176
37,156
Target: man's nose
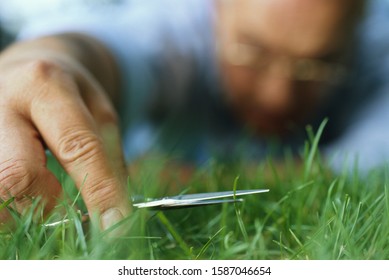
x,y
274,93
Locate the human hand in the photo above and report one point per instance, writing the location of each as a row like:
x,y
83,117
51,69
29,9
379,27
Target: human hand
x,y
50,100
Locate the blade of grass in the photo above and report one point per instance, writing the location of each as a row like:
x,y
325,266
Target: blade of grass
x,y
314,148
209,242
341,226
356,218
4,204
290,250
81,236
387,198
238,213
164,220
295,238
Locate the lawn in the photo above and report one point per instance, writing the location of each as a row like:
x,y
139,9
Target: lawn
x,y
309,213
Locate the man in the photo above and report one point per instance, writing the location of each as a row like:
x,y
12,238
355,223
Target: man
x,y
198,77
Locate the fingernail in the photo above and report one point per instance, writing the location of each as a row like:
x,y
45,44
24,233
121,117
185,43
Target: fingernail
x,y
110,218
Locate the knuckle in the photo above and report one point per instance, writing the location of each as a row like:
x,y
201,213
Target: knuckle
x,y
16,178
79,144
40,69
47,77
42,78
31,75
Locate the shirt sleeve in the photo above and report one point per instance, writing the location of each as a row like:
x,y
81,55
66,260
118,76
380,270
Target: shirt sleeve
x,y
365,142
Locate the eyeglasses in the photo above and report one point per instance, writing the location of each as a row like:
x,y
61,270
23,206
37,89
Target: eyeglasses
x,y
299,69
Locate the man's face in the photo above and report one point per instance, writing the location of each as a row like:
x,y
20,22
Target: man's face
x,y
277,56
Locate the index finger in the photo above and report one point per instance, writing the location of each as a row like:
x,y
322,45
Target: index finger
x,y
72,135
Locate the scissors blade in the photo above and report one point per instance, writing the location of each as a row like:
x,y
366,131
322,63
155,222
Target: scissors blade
x,y
190,198
215,195
180,201
194,203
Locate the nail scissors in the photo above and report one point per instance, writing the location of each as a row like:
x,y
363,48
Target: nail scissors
x,y
198,199
181,201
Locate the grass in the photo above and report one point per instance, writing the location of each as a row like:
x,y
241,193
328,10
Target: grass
x,y
309,213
